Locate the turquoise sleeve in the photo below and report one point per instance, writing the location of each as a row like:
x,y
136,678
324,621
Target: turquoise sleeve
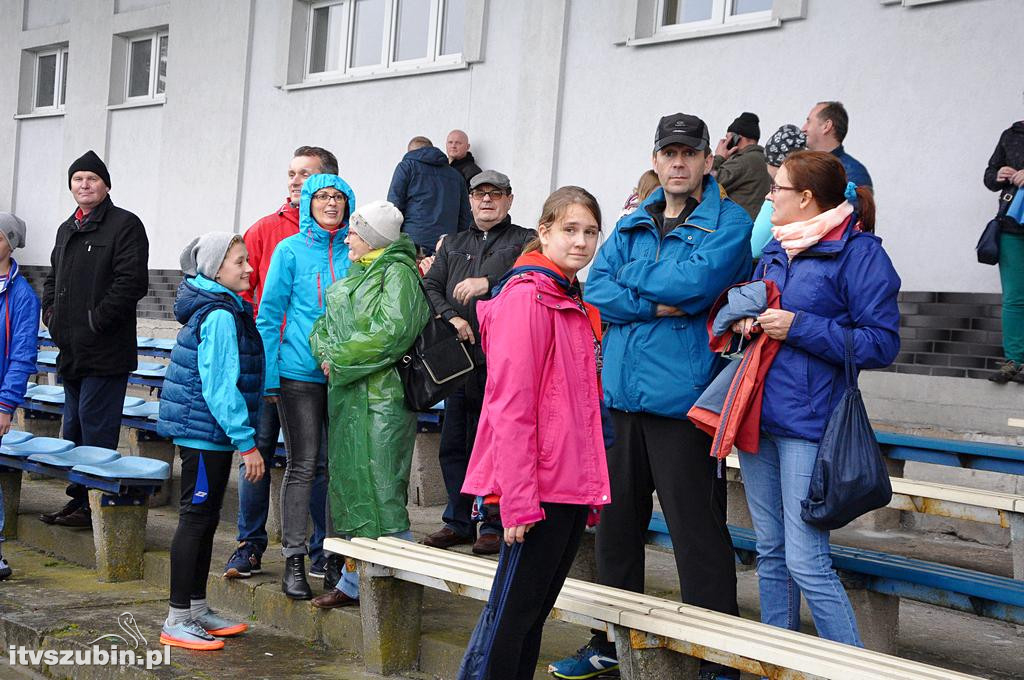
x,y
762,232
219,370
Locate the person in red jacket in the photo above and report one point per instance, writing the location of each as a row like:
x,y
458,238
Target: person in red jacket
x,y
254,497
539,452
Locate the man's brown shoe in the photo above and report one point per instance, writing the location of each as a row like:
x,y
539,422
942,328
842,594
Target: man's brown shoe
x,y
487,544
446,538
79,519
334,599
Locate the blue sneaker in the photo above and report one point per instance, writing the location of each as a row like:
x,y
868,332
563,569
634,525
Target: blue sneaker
x,y
595,658
189,635
318,567
216,625
244,562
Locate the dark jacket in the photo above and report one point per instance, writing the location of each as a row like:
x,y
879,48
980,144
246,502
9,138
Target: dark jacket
x,y
99,270
184,410
1009,151
19,350
745,176
655,364
848,283
467,166
431,195
855,170
471,254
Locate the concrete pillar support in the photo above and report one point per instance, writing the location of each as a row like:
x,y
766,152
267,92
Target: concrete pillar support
x,y
119,533
10,484
390,611
643,656
426,485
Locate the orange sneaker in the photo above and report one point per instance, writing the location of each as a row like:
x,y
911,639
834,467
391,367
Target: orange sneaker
x,y
189,635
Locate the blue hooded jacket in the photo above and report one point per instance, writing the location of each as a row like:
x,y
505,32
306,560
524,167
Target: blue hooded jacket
x,y
849,283
18,342
302,267
431,195
654,364
211,396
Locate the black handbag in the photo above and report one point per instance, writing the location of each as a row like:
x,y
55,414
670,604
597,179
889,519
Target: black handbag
x,y
436,364
988,244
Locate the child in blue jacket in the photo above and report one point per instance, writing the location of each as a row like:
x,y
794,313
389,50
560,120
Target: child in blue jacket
x,y
20,310
209,405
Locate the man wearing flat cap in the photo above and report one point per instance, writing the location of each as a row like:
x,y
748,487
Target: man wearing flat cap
x,y
99,270
465,269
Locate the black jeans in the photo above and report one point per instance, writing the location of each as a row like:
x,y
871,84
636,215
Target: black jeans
x,y
670,456
198,515
548,552
303,410
92,417
458,432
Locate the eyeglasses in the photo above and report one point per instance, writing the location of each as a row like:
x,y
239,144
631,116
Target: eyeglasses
x,y
324,197
480,195
776,188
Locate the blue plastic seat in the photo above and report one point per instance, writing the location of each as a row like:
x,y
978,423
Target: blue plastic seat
x,y
142,410
44,334
47,358
150,369
15,437
130,402
163,343
80,455
49,394
128,467
143,343
37,445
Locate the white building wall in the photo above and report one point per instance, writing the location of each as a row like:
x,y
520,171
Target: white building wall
x,y
555,100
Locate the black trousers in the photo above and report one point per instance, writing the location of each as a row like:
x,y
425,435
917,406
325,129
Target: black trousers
x,y
548,552
204,478
92,417
670,456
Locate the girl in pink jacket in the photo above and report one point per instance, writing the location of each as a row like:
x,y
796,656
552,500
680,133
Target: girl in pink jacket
x,y
539,452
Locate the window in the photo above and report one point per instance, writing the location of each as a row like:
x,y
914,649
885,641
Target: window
x,y
689,14
147,66
363,37
50,80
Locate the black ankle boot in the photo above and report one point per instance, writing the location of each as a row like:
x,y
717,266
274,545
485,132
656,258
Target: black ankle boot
x,y
332,571
294,583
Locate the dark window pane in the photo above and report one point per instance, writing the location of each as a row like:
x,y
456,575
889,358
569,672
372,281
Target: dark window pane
x,y
412,29
367,32
63,76
748,6
139,63
454,26
318,41
161,74
46,73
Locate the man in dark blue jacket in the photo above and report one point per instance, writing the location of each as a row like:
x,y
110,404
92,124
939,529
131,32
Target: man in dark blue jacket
x,y
654,281
431,195
826,128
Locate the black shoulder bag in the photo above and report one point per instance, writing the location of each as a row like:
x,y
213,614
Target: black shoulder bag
x,y
988,244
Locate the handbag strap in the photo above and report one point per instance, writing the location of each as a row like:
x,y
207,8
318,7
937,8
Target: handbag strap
x,y
851,369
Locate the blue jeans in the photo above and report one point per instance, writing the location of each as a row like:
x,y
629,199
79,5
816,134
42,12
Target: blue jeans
x,y
349,581
793,556
254,497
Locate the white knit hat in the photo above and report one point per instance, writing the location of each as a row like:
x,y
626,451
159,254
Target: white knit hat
x,y
378,223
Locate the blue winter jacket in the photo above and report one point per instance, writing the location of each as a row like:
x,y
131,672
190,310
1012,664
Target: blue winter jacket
x,y
212,393
302,267
655,364
835,285
431,195
855,170
18,343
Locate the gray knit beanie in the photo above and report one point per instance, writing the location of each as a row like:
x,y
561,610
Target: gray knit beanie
x,y
205,254
378,223
12,228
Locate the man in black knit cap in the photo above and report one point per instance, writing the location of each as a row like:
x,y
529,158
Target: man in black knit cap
x,y
99,270
740,165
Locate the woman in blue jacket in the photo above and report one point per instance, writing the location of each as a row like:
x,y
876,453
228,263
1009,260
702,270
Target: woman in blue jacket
x,y
209,406
835,279
18,352
302,268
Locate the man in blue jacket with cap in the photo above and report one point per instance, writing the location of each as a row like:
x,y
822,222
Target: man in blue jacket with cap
x,y
654,281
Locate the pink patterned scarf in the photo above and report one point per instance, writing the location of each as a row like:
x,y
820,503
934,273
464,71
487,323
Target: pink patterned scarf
x,y
797,237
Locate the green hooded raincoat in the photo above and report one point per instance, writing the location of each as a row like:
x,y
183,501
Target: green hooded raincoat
x,y
372,318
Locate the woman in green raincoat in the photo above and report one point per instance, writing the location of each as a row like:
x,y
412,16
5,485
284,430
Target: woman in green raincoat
x,y
373,317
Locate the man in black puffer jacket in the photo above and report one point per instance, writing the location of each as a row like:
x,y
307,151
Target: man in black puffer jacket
x,y
99,270
464,270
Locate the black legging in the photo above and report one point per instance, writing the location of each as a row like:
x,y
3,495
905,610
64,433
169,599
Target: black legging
x,y
198,515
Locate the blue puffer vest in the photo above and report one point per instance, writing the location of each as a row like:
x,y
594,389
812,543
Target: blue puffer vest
x,y
183,410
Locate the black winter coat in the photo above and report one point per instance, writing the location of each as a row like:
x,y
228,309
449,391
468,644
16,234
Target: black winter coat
x,y
471,254
1009,151
467,166
98,273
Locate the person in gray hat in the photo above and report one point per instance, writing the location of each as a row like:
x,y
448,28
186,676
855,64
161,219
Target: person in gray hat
x,y
18,350
465,269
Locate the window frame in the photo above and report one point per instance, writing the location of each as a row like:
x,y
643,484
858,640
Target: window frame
x,y
388,64
154,65
60,85
721,15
